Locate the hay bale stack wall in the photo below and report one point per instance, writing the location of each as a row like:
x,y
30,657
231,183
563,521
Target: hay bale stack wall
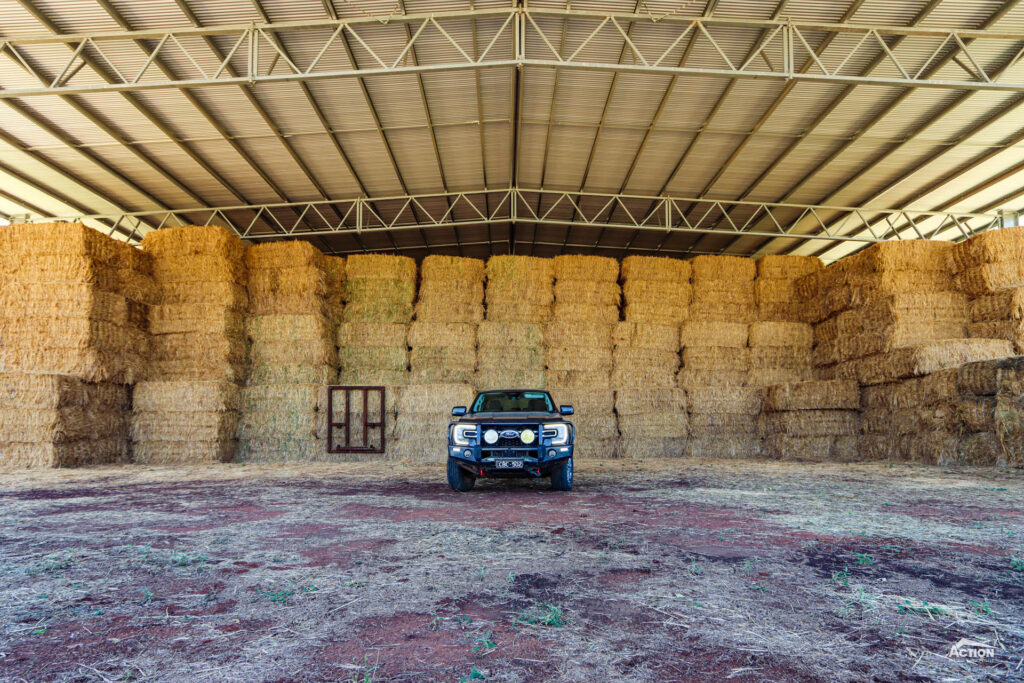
x,y
815,421
989,271
73,326
186,410
718,356
578,348
292,353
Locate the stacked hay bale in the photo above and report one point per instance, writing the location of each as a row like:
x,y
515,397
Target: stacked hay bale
x,y
780,352
907,407
715,370
812,421
423,413
72,325
520,289
292,354
656,290
990,408
510,343
889,296
652,422
373,340
443,338
990,270
187,409
775,287
578,348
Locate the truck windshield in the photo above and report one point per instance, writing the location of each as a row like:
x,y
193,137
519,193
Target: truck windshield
x,y
513,402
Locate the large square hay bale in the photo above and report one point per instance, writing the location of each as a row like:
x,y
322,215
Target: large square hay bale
x,y
700,333
581,267
814,395
656,268
722,268
787,266
194,240
380,267
782,334
991,246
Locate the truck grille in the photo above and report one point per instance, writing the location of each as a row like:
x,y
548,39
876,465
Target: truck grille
x,y
505,443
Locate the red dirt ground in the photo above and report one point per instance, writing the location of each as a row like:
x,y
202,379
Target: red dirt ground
x,y
711,571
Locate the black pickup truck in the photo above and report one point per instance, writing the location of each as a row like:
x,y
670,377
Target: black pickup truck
x,y
510,433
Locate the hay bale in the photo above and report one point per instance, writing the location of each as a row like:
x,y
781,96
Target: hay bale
x,y
704,425
781,334
813,448
511,267
655,268
990,278
919,255
716,358
65,454
181,267
449,312
991,246
373,335
72,300
59,425
436,292
488,378
690,377
723,293
182,452
194,240
434,399
511,357
582,359
717,311
588,293
377,312
58,391
787,266
197,425
522,335
441,365
451,269
187,397
359,376
778,358
533,292
197,318
380,267
724,448
653,336
641,401
580,267
451,335
699,333
660,292
1005,305
722,268
922,359
813,423
724,399
518,312
653,425
280,352
285,254
1010,330
768,376
591,334
227,294
585,313
644,367
292,373
656,314
596,379
816,395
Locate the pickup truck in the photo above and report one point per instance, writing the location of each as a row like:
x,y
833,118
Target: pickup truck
x,y
510,433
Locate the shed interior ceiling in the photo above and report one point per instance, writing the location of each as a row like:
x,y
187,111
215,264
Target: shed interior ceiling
x,y
635,131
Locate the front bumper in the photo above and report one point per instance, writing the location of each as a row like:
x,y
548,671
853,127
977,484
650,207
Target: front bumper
x,y
484,462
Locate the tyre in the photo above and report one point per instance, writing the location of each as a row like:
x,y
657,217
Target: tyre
x,y
458,478
561,477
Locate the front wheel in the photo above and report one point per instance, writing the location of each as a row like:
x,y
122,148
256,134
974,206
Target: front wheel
x,y
458,478
561,476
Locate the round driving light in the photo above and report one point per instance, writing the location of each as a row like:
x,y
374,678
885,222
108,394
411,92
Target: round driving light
x,y
551,452
527,436
491,436
467,453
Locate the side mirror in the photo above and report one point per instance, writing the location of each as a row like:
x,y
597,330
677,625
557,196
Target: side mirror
x,y
566,410
458,411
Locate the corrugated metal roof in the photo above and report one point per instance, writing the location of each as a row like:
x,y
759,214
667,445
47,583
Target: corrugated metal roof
x,y
577,129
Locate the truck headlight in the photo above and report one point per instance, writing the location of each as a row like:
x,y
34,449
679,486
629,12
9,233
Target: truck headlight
x,y
527,436
462,433
558,432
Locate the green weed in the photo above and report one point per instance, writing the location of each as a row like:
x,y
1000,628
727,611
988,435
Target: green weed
x,y
474,675
484,644
907,607
865,560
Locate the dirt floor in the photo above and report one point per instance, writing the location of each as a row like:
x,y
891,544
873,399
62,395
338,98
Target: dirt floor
x,y
695,571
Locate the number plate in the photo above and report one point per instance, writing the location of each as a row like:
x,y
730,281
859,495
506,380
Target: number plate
x,y
508,464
